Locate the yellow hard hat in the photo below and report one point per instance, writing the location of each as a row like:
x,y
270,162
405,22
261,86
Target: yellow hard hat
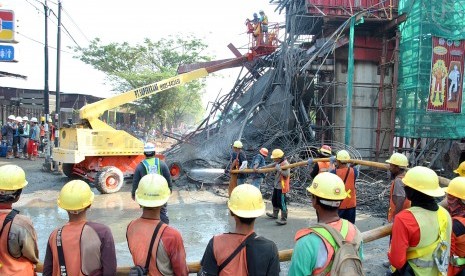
x,y
237,144
398,159
12,178
42,119
424,180
246,201
342,156
456,187
277,153
461,169
153,191
75,195
328,186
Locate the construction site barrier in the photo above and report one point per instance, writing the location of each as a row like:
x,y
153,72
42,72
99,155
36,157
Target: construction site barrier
x,y
284,255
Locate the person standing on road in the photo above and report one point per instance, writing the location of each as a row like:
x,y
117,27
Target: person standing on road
x,y
421,234
258,162
397,199
18,239
319,167
24,138
456,207
281,186
17,136
315,246
248,253
8,132
33,142
349,175
80,247
152,165
238,161
153,244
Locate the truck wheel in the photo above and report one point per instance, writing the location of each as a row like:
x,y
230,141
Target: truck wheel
x,y
109,180
68,170
175,170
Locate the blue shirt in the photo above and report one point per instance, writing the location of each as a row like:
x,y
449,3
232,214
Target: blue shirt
x,y
260,161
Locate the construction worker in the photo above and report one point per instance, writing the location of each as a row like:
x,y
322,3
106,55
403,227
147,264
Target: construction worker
x,y
264,26
456,207
349,175
153,244
461,169
34,140
281,186
315,246
16,136
238,161
80,247
421,234
397,200
24,137
241,252
319,167
152,165
10,130
258,162
42,134
18,239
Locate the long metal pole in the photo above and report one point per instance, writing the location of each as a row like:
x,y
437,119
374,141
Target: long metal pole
x,y
57,94
350,79
46,89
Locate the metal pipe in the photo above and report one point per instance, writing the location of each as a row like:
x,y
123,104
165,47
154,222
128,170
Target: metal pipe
x,y
380,97
395,79
350,78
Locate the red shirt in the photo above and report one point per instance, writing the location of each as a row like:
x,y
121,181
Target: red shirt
x,y
405,234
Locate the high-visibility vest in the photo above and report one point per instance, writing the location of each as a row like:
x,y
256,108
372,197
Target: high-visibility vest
x,y
152,165
351,200
323,167
223,246
392,206
347,230
457,253
8,264
433,229
285,181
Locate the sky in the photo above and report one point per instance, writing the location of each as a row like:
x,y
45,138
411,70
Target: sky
x,y
217,22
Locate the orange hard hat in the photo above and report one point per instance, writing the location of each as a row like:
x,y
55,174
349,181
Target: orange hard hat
x,y
325,149
264,152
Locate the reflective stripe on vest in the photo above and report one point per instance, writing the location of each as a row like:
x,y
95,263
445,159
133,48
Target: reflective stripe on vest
x,y
323,167
420,257
8,264
392,206
152,165
139,234
346,229
351,200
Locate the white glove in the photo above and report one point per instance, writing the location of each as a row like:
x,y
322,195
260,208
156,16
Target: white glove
x,y
243,166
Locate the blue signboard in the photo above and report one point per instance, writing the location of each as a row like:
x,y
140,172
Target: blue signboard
x,y
7,53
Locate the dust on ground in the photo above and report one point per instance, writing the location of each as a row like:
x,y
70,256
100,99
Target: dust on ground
x,y
196,205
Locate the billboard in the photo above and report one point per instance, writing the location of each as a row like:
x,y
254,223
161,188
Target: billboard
x,y
447,64
7,26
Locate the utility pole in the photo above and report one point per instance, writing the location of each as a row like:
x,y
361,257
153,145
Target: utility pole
x,y
57,95
46,89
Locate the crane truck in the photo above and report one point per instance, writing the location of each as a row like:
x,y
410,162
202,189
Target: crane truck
x,y
104,156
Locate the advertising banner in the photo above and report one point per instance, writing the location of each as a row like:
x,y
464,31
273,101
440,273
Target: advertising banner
x,y
445,93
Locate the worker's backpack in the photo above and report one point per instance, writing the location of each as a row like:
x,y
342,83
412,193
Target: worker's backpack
x,y
346,260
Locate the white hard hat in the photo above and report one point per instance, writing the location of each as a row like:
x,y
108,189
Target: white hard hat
x,y
49,120
25,118
34,120
149,147
11,117
19,119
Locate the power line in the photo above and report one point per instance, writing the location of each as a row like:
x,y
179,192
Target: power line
x,y
75,25
41,43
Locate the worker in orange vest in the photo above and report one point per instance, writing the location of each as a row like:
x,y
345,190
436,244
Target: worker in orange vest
x,y
315,246
456,207
155,247
281,186
18,239
347,210
241,252
80,247
319,167
397,199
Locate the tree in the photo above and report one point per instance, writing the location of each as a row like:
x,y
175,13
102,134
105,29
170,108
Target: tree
x,y
129,67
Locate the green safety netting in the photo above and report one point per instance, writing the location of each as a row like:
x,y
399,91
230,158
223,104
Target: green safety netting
x,y
425,19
